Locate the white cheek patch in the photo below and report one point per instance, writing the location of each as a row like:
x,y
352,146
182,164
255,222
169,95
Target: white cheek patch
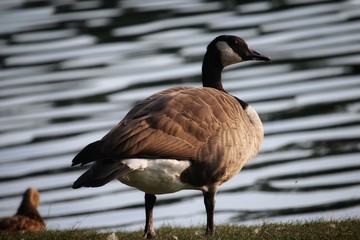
x,y
227,54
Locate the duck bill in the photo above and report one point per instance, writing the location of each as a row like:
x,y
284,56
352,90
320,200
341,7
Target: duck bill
x,y
254,55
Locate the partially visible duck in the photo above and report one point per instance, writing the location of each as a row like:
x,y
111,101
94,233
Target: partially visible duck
x,y
181,138
27,217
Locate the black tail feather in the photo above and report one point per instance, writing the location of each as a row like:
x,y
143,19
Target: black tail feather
x,y
89,154
101,173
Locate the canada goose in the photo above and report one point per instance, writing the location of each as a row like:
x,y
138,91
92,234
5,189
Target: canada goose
x,y
181,138
27,217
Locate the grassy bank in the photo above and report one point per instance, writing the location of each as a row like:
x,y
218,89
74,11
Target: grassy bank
x,y
346,229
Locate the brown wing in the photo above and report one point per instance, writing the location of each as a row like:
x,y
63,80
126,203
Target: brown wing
x,y
176,123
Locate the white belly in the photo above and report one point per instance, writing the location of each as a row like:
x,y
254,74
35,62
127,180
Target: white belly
x,y
156,176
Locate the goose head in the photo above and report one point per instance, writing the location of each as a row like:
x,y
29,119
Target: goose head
x,y
233,49
34,196
223,51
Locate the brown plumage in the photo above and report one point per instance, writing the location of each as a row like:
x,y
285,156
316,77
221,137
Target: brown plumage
x,y
27,217
181,138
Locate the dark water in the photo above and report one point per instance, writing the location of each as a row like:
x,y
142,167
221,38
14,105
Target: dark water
x,y
70,70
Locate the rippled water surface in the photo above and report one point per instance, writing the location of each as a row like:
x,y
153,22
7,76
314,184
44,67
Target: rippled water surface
x,y
70,70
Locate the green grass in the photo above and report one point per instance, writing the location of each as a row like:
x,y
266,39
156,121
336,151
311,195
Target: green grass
x,y
319,230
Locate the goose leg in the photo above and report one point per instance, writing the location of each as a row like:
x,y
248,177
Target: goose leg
x,y
149,231
209,200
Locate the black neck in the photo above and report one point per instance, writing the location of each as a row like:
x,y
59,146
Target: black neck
x,y
211,71
211,74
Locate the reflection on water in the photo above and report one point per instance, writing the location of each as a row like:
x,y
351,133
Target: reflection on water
x,y
70,71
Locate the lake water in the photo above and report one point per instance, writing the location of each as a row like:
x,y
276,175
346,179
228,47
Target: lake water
x,y
70,70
